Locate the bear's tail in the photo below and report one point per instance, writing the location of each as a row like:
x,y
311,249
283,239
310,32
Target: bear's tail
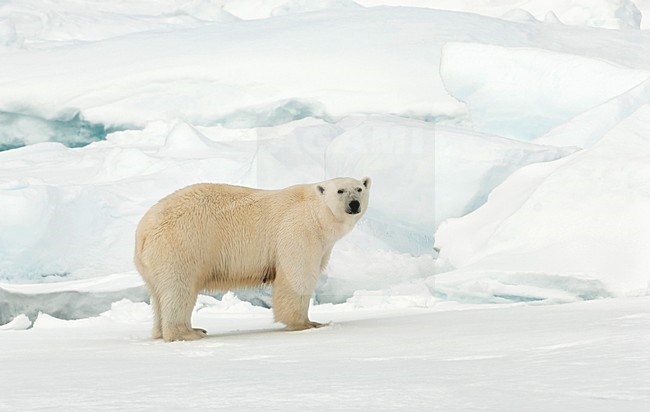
x,y
139,247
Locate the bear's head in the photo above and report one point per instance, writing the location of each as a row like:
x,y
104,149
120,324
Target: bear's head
x,y
347,198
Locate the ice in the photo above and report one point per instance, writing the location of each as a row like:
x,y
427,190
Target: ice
x,y
262,9
20,322
219,102
644,6
17,130
522,93
359,268
425,173
8,37
53,226
40,22
303,6
612,14
519,15
73,213
498,286
213,73
127,311
274,114
68,300
132,79
185,140
229,303
414,294
589,127
87,201
579,219
512,135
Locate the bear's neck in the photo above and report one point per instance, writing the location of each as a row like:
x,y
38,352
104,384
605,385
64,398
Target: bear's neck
x,y
332,228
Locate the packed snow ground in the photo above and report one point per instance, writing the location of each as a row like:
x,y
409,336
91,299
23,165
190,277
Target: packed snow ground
x,y
508,143
581,356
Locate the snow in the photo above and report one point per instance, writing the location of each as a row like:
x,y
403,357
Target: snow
x,y
20,322
538,90
589,126
502,261
587,355
85,199
612,14
583,217
209,73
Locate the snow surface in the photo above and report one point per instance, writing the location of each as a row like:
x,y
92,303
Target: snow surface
x,y
613,14
582,356
583,217
86,199
508,142
317,63
540,89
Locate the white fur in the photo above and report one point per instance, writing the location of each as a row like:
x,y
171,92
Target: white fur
x,y
218,237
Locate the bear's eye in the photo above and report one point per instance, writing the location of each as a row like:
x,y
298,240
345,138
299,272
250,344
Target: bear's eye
x,y
340,191
359,189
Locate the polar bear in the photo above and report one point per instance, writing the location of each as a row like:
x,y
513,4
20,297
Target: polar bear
x,y
217,237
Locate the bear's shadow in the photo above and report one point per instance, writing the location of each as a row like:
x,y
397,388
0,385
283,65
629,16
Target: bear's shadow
x,y
262,332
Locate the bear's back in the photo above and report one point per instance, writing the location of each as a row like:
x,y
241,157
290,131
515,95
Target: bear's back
x,y
227,215
236,229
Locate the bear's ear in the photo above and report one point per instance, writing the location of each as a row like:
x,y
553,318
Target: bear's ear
x,y
366,182
321,189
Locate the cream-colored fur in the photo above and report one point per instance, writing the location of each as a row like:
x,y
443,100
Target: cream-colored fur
x,y
218,237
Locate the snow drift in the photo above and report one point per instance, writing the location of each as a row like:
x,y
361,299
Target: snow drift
x,y
439,107
579,220
517,131
73,212
213,71
613,14
522,93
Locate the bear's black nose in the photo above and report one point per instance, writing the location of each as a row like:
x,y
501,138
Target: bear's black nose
x,y
354,207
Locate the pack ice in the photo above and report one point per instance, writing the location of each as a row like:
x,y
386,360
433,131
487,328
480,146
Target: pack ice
x,y
509,146
192,92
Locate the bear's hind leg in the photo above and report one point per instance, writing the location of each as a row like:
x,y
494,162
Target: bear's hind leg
x,y
156,331
177,299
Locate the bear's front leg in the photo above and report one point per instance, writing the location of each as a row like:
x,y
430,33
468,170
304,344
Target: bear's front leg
x,y
292,291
